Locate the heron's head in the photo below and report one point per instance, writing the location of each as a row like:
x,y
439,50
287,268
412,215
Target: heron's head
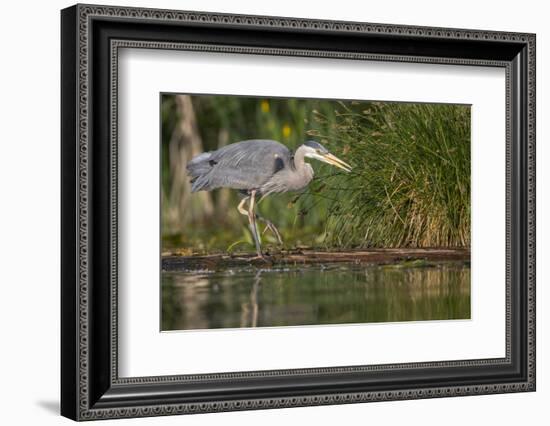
x,y
319,152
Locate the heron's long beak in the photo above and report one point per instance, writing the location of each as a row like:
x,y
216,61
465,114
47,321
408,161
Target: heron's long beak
x,y
334,161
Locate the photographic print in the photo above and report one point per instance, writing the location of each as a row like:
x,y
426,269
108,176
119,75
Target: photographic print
x,y
295,212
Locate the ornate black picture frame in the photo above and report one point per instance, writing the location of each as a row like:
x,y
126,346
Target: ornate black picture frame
x,y
91,36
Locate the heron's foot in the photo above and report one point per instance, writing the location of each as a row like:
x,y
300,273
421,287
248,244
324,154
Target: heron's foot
x,y
260,257
269,225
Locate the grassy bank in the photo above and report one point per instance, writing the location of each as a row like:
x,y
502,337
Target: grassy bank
x,y
410,185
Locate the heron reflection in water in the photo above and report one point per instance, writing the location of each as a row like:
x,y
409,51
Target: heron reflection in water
x,y
258,168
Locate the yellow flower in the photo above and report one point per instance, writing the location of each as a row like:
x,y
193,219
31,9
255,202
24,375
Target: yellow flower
x,y
286,130
265,106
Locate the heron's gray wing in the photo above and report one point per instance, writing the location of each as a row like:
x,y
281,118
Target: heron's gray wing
x,y
243,165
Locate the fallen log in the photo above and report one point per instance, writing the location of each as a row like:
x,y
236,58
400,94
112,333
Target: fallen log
x,y
171,262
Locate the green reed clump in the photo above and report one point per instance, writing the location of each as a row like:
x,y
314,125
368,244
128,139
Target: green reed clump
x,y
410,184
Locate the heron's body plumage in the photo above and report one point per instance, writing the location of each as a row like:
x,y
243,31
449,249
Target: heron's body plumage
x,y
266,166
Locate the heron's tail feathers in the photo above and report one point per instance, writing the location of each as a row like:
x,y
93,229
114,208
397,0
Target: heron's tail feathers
x,y
198,169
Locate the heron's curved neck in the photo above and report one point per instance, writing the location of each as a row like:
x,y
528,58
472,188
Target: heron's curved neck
x,y
302,170
299,155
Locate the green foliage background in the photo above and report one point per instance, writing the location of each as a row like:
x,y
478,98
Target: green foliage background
x,y
410,184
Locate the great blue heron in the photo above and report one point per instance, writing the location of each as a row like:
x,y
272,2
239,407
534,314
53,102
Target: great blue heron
x,y
258,168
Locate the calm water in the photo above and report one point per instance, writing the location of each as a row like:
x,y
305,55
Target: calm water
x,y
305,295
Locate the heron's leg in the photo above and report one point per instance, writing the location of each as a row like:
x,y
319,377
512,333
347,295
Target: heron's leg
x,y
252,223
269,225
241,208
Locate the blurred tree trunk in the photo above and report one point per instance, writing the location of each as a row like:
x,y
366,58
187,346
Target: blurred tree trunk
x,y
184,144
